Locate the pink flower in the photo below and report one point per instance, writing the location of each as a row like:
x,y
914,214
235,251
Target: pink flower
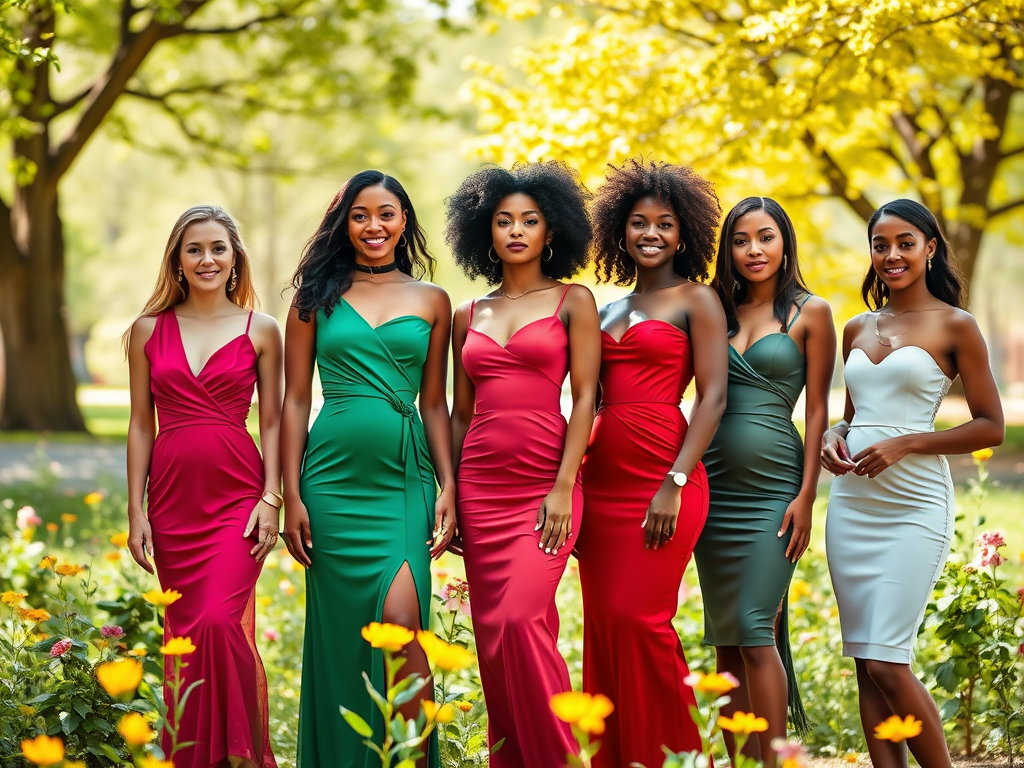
x,y
1020,649
990,557
61,647
27,518
455,596
806,637
1020,594
112,631
271,635
992,539
791,754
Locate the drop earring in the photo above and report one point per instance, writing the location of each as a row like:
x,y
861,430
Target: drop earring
x,y
783,262
233,281
930,263
181,273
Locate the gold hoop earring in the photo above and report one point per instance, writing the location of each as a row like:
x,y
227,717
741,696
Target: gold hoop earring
x,y
681,248
233,281
620,246
551,253
496,260
403,244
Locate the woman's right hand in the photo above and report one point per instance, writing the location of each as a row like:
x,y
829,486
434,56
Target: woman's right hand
x,y
297,536
140,541
835,456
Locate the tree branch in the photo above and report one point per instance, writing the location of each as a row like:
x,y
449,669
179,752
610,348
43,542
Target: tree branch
x,y
1006,208
60,107
1012,153
838,181
180,30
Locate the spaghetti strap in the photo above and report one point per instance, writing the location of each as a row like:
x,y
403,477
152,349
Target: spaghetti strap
x,y
249,323
799,307
472,306
559,307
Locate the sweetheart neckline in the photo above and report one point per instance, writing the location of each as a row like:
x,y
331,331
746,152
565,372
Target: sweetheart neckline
x,y
743,354
517,330
905,346
618,341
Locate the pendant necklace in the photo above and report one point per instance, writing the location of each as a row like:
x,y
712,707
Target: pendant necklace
x,y
520,295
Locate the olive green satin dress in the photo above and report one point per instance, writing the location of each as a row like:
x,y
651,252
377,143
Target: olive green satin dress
x,y
755,469
368,485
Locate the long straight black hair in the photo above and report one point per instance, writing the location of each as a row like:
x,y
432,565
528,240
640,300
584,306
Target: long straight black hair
x,y
943,278
328,258
732,287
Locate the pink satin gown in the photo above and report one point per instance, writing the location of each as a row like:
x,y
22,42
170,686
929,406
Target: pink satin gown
x,y
205,476
509,462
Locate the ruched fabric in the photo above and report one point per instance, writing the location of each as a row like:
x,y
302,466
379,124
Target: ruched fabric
x,y
205,477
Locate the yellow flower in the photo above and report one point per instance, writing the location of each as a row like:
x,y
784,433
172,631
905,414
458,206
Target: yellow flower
x,y
118,677
93,498
390,637
138,652
26,710
178,646
74,764
67,517
435,714
34,615
465,706
983,455
743,722
48,562
119,539
152,762
69,570
584,711
43,750
12,598
714,683
895,729
113,557
159,599
265,601
136,729
443,655
799,588
851,757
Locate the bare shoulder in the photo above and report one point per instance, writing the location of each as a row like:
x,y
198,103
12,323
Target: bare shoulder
x,y
142,329
437,296
264,328
856,323
962,325
579,298
817,309
698,293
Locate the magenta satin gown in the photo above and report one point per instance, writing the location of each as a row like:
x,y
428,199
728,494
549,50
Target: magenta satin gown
x,y
509,462
205,477
631,652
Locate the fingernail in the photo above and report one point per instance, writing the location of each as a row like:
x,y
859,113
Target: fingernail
x,y
540,546
547,551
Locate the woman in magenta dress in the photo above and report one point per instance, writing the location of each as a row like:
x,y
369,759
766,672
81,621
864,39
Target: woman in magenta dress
x,y
518,493
645,490
211,515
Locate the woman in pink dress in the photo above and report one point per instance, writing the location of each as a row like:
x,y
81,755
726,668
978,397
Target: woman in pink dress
x,y
211,516
518,492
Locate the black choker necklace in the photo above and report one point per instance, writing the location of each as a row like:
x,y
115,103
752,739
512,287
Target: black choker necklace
x,y
377,270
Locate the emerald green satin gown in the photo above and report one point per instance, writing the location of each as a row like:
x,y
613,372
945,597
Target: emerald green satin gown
x,y
369,487
755,470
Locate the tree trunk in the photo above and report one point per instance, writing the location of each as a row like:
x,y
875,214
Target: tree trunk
x,y
39,385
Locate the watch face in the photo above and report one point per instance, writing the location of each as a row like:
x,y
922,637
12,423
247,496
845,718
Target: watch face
x,y
679,478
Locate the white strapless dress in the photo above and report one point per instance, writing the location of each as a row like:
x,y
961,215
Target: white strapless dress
x,y
887,539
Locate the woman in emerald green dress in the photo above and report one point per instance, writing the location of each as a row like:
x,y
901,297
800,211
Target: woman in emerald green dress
x,y
362,513
761,481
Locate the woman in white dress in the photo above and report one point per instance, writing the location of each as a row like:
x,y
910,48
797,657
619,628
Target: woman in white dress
x,y
890,513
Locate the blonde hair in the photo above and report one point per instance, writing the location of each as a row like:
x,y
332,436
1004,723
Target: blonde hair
x,y
170,291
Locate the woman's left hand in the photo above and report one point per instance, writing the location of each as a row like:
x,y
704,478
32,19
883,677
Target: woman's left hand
x,y
874,459
263,519
554,519
444,523
662,515
798,514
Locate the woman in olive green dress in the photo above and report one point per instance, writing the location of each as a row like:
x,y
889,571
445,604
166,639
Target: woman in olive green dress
x,y
762,485
360,487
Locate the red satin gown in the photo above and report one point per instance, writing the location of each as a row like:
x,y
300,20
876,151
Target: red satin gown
x,y
631,652
509,462
205,477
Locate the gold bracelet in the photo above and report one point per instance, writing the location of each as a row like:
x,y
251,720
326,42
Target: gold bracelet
x,y
273,498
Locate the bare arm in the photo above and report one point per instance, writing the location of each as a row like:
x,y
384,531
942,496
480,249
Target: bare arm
x,y
437,421
835,456
464,393
264,517
141,435
299,358
584,325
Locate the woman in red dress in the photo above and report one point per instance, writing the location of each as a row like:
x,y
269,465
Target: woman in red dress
x,y
645,490
195,353
518,496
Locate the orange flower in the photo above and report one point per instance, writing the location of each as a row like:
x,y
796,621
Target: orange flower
x,y
895,729
52,527
120,539
743,722
584,711
443,655
34,615
119,677
136,729
438,714
93,498
67,517
48,562
390,637
178,646
69,570
162,599
12,598
137,652
982,455
152,762
43,750
113,557
465,706
715,683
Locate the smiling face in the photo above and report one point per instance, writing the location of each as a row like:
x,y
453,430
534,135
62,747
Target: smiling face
x,y
652,232
899,252
376,222
206,256
757,246
519,230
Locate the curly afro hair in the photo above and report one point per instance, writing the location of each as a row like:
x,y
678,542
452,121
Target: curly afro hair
x,y
692,198
561,198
